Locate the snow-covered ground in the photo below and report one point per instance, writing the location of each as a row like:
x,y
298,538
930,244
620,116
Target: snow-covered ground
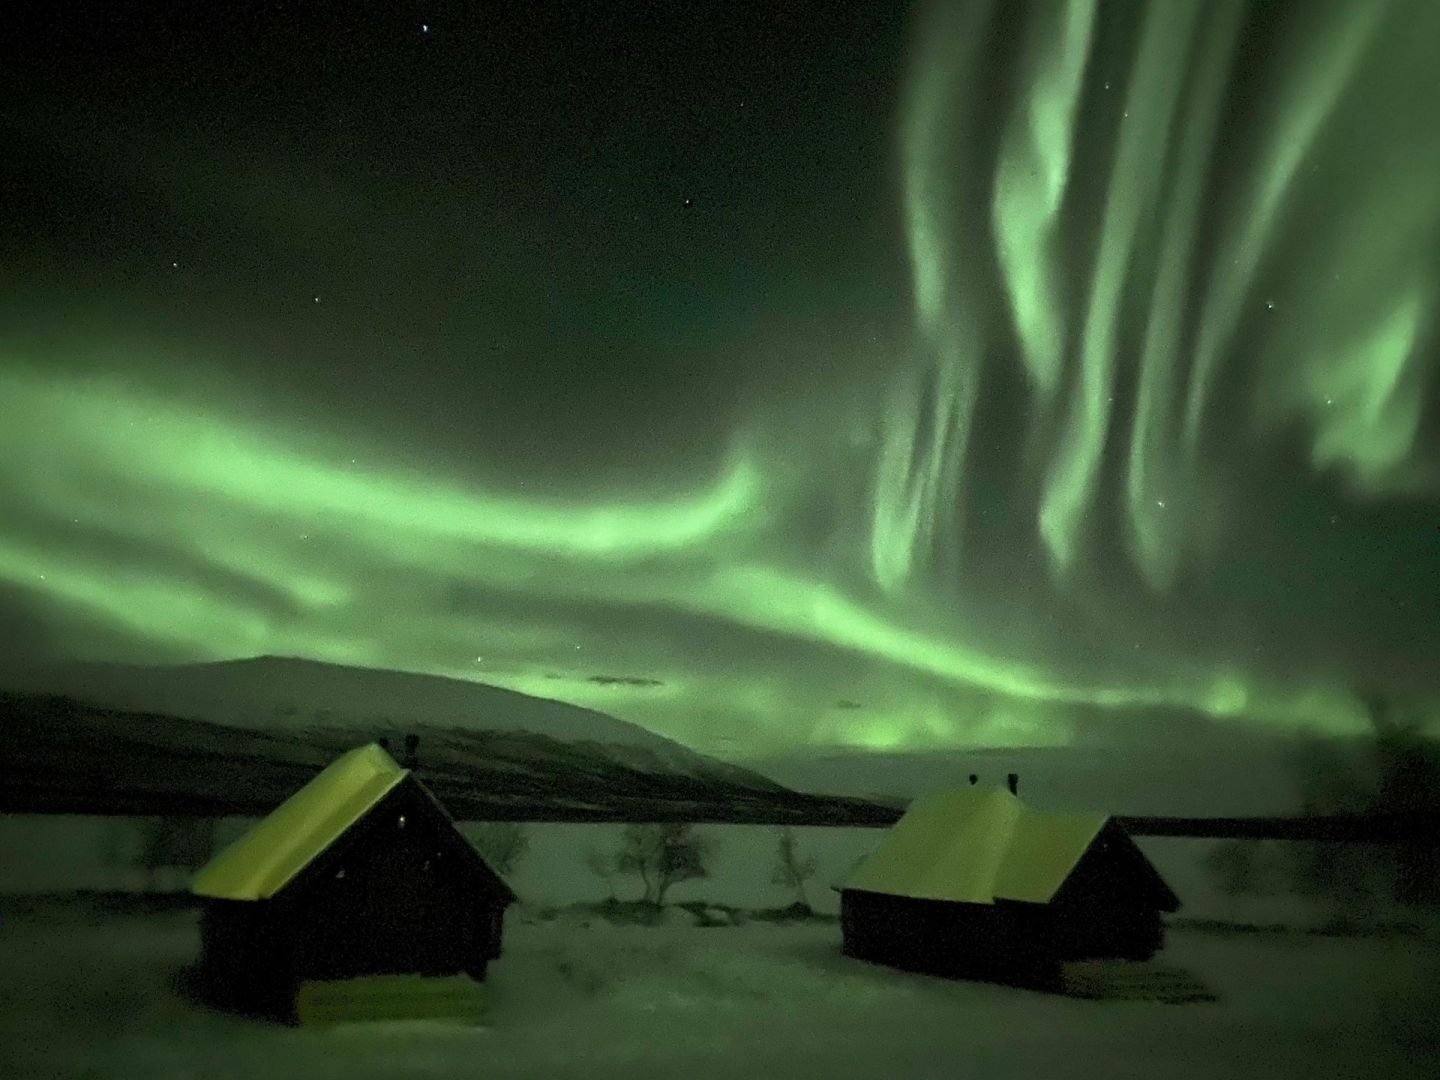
x,y
576,997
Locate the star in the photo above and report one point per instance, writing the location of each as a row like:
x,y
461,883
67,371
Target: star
x,y
424,28
689,203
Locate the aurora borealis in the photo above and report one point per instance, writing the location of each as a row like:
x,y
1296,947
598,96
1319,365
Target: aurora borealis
x,y
978,374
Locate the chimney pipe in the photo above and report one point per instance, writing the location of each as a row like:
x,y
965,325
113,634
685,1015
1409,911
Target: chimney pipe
x,y
1013,779
412,751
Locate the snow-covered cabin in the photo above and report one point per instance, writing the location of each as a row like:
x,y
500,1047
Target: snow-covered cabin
x,y
360,872
972,882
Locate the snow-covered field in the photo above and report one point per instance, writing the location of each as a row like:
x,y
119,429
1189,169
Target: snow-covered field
x,y
97,997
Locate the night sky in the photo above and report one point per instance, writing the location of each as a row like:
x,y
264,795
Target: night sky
x,y
797,374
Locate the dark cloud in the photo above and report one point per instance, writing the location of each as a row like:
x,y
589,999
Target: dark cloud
x,y
623,680
26,634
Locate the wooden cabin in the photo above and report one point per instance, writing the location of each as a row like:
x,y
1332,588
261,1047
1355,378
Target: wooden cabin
x,y
360,872
975,884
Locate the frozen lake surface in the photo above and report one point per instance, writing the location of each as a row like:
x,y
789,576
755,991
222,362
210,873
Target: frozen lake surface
x,y
95,996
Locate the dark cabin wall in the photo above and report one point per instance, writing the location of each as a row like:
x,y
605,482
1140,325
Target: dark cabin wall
x,y
1092,929
402,891
1115,857
1110,904
247,957
1008,943
412,898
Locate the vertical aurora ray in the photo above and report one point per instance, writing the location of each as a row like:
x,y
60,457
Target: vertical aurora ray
x,y
1155,488
919,475
1352,359
1144,131
1314,83
1267,222
1030,185
1375,427
1191,158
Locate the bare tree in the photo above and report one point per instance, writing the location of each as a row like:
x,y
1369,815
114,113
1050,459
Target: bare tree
x,y
1232,863
603,867
1409,784
120,844
174,843
1403,778
792,869
662,856
502,844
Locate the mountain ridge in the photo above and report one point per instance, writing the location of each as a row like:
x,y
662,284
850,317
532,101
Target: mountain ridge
x,y
300,695
62,756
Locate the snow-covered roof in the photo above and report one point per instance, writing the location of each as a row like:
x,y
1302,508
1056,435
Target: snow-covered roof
x,y
976,846
264,860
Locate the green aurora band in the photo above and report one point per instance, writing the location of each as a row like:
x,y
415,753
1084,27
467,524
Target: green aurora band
x,y
194,523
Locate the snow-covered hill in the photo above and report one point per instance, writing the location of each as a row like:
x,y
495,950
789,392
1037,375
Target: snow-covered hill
x,y
293,696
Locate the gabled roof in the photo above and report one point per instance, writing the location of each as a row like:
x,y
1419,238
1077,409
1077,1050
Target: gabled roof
x,y
976,846
269,855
